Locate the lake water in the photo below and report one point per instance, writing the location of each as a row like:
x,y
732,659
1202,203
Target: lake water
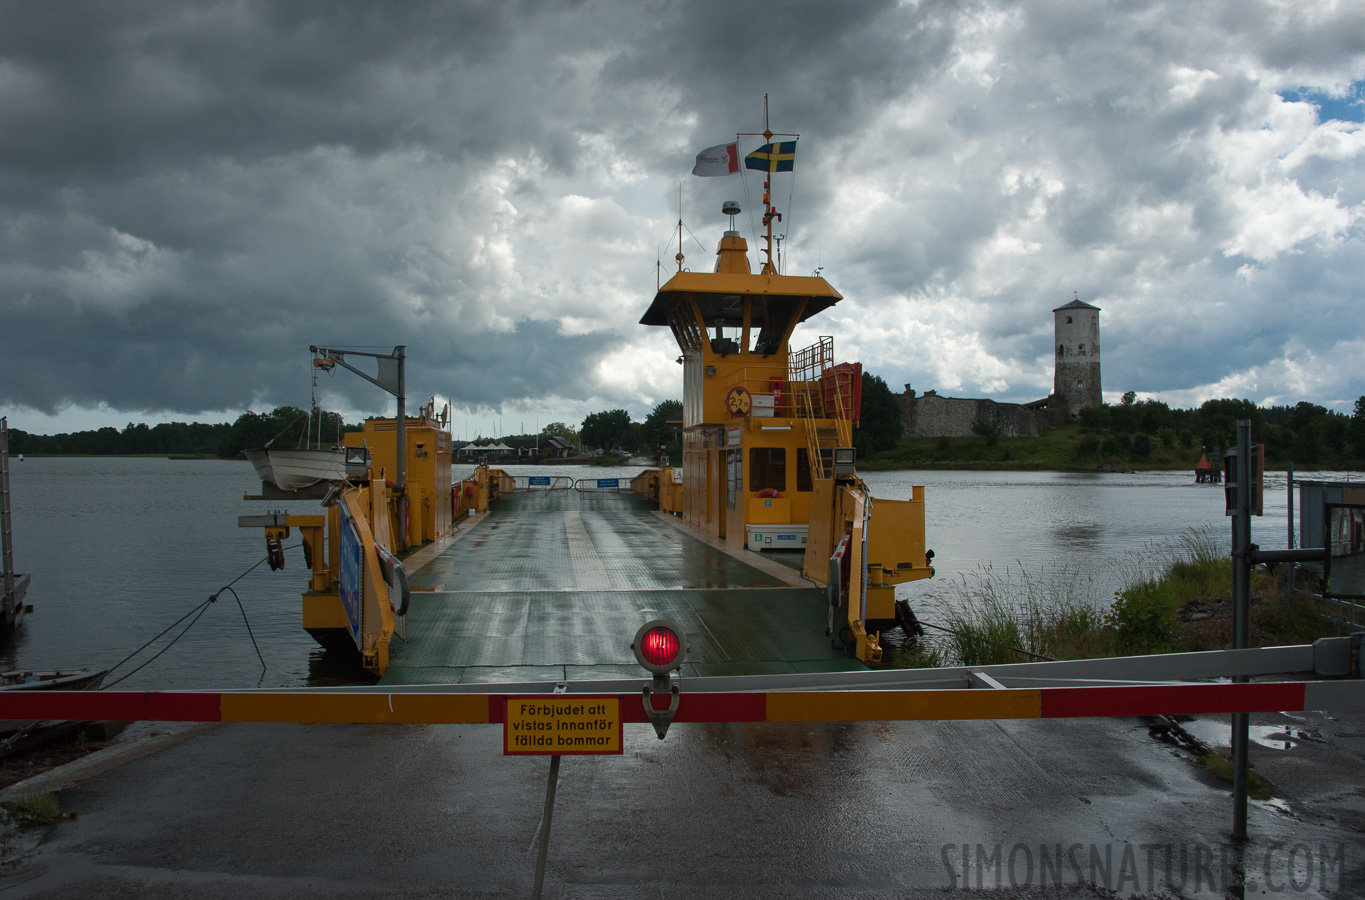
x,y
119,549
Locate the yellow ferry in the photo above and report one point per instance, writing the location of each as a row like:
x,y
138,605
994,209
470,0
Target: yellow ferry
x,y
549,583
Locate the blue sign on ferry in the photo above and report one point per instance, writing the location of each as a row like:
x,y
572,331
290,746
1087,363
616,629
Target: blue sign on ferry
x,y
539,481
608,482
352,569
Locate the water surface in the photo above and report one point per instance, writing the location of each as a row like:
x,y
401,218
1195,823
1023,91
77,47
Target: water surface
x,y
120,548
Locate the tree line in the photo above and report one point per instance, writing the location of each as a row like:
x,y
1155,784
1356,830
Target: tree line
x,y
1305,432
285,426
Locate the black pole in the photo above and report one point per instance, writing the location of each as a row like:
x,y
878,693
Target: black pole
x,y
544,850
1241,620
1290,574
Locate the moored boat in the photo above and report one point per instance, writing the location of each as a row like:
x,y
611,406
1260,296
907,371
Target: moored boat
x,y
46,680
52,679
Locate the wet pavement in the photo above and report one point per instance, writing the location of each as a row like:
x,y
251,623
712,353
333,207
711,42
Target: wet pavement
x,y
875,810
1055,808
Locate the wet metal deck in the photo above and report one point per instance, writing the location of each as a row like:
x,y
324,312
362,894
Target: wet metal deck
x,y
553,586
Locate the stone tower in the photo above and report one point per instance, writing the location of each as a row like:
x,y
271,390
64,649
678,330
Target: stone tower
x,y
1076,377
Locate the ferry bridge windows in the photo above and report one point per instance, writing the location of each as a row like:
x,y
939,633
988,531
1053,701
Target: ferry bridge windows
x,y
768,321
767,469
726,340
803,477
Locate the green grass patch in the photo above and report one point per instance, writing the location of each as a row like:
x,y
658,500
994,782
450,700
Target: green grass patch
x,y
1219,765
36,809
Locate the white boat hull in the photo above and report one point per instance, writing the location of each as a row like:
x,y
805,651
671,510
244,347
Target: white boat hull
x,y
292,470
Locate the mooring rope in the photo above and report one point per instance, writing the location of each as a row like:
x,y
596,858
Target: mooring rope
x,y
196,612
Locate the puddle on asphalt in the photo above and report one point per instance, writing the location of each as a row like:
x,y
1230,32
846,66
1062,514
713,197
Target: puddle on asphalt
x,y
1219,734
1277,804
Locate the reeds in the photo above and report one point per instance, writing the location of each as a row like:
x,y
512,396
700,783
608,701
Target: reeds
x,y
988,616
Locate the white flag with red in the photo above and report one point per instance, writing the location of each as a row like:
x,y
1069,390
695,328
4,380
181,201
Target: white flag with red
x,y
719,160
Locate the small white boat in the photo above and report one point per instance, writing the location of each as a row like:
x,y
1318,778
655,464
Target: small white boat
x,y
46,680
292,470
52,680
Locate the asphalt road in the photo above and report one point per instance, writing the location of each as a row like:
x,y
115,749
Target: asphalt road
x,y
1045,808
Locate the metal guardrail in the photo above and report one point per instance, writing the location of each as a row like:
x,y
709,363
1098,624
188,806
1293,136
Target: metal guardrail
x,y
542,483
602,485
1086,688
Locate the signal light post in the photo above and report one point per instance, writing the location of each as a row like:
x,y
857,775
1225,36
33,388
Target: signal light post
x,y
659,647
590,725
1244,473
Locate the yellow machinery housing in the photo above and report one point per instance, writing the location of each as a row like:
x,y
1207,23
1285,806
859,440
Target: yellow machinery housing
x,y
374,521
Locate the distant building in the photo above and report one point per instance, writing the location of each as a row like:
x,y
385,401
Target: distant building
x,y
1075,385
930,415
556,446
1076,374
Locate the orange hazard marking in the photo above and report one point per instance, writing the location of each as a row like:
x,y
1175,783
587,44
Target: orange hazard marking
x,y
889,706
356,708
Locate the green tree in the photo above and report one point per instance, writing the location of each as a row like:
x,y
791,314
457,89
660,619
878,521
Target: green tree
x,y
605,430
1095,419
988,430
284,426
1356,430
657,431
559,429
879,425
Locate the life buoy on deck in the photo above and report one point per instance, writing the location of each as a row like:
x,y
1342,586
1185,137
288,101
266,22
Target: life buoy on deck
x,y
395,575
768,492
400,575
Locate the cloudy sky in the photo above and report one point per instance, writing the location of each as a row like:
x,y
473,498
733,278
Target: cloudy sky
x,y
193,193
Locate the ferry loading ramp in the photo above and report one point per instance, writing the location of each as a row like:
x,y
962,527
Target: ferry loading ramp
x,y
552,585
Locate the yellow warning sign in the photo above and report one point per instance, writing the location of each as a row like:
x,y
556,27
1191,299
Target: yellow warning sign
x,y
562,725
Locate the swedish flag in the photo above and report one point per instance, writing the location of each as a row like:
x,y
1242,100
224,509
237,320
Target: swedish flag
x,y
777,157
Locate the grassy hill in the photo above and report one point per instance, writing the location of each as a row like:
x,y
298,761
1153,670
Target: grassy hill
x,y
1069,448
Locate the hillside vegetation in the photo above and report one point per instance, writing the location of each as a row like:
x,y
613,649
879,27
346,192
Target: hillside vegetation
x,y
1142,435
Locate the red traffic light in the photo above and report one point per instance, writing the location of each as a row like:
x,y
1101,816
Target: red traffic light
x,y
660,646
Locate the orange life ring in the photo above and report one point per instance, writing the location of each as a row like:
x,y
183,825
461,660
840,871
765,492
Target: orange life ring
x,y
768,492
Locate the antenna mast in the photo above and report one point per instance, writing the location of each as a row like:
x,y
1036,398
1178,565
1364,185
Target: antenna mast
x,y
768,212
680,253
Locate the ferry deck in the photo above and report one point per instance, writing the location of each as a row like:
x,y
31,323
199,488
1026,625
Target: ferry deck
x,y
552,585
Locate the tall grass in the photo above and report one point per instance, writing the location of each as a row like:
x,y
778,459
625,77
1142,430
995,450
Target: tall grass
x,y
1160,579
988,616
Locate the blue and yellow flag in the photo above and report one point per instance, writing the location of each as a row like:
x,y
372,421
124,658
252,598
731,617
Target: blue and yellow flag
x,y
777,157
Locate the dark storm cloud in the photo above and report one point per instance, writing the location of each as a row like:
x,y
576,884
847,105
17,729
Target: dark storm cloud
x,y
191,194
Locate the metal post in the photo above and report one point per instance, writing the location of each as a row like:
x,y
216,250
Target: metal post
x,y
6,538
1241,620
401,353
1290,574
544,850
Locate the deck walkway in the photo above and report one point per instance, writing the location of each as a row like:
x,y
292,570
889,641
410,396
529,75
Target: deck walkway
x,y
552,586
